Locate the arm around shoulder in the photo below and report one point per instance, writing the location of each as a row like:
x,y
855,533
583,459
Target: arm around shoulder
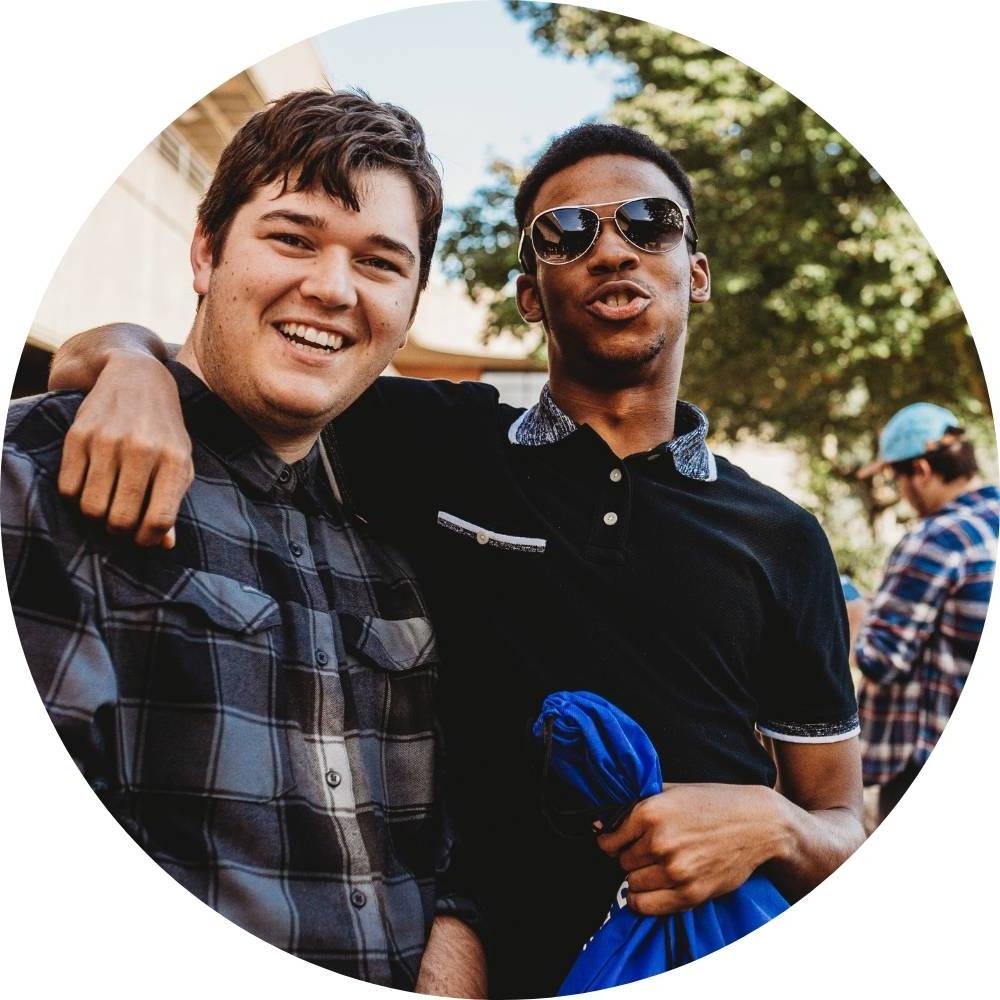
x,y
127,457
80,361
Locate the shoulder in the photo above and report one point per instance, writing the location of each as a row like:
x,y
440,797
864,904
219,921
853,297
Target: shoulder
x,y
36,426
429,395
770,509
962,528
415,406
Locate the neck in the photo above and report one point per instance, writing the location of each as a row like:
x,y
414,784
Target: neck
x,y
952,491
289,445
632,414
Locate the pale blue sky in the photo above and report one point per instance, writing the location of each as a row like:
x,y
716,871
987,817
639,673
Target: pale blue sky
x,y
472,76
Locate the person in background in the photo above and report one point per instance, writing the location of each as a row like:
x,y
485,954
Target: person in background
x,y
915,640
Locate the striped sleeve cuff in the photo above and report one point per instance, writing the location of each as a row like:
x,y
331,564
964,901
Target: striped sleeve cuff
x,y
811,732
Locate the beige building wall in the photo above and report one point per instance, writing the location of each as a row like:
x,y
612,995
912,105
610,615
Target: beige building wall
x,y
130,258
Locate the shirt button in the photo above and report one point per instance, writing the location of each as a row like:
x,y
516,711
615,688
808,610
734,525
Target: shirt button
x,y
322,658
358,898
616,475
297,549
482,537
611,518
332,779
284,475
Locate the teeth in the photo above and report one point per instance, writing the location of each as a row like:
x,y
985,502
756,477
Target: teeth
x,y
325,343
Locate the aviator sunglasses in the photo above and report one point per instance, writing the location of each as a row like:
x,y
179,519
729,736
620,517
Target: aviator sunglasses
x,y
564,234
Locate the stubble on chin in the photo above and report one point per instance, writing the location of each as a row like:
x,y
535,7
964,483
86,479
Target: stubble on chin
x,y
624,359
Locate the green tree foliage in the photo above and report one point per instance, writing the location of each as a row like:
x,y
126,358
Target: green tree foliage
x,y
829,309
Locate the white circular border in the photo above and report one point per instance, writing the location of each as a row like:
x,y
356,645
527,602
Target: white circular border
x,y
86,86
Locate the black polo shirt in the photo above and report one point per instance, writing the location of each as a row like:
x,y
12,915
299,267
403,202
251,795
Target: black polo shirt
x,y
702,603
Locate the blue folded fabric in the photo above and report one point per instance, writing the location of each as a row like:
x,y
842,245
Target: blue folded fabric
x,y
608,758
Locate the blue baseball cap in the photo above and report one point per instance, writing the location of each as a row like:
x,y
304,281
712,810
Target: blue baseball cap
x,y
914,431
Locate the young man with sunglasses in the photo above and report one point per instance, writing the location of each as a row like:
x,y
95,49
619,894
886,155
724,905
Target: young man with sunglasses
x,y
594,542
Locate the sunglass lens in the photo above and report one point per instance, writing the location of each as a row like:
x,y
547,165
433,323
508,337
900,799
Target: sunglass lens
x,y
652,224
563,234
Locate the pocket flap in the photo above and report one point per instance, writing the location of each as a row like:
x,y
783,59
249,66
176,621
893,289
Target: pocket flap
x,y
226,603
392,644
489,537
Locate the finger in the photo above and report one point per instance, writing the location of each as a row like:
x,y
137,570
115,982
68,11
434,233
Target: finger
x,y
169,539
651,878
638,855
171,482
626,833
73,466
102,472
660,902
130,493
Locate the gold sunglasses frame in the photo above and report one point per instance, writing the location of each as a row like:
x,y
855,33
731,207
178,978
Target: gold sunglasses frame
x,y
526,231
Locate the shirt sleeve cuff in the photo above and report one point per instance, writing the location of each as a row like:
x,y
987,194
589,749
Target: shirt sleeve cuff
x,y
453,905
811,732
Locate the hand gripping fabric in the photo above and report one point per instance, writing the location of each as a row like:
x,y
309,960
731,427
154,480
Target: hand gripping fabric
x,y
609,759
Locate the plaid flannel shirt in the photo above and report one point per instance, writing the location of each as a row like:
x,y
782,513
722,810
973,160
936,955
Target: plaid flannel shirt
x,y
255,705
922,632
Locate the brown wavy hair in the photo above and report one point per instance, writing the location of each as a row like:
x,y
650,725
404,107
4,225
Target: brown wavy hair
x,y
322,139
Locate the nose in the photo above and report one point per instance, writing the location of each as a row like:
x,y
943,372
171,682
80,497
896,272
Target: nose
x,y
611,251
329,280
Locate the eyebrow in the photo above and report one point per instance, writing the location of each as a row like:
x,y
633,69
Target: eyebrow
x,y
317,222
394,246
296,218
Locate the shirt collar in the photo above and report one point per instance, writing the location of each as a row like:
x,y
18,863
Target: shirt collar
x,y
545,423
232,441
971,498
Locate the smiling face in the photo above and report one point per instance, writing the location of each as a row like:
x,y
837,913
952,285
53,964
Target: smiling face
x,y
617,309
306,304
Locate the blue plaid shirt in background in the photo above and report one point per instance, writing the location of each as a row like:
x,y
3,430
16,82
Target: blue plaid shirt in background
x,y
922,632
254,706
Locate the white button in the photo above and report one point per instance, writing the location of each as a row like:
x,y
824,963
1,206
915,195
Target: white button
x,y
616,475
482,537
610,518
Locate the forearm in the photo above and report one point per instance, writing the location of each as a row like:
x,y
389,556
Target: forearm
x,y
881,655
454,963
80,361
811,844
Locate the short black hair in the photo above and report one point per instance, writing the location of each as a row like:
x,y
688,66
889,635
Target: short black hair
x,y
954,460
593,139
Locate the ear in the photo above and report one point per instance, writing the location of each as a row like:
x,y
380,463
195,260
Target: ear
x,y
701,278
922,470
201,262
529,302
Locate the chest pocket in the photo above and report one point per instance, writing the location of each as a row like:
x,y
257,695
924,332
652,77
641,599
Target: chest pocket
x,y
392,670
489,538
200,700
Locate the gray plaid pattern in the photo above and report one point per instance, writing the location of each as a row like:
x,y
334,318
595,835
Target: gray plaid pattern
x,y
255,706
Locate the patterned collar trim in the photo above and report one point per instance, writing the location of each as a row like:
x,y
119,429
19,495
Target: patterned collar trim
x,y
545,423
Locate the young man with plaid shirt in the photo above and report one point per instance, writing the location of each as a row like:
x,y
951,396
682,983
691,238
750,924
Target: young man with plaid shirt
x,y
917,638
254,702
